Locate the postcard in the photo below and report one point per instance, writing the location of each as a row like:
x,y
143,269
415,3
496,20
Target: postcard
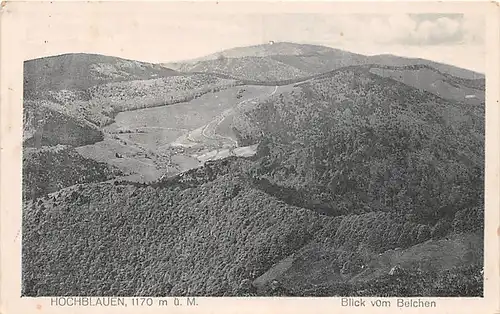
x,y
249,157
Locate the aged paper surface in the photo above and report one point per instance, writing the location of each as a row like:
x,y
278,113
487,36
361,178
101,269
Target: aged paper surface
x,y
241,157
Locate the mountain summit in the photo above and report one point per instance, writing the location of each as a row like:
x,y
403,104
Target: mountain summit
x,y
272,48
288,61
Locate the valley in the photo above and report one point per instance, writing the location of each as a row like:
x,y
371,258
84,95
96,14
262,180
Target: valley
x,y
270,170
155,142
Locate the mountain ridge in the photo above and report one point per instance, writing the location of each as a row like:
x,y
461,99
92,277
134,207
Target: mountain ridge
x,y
279,49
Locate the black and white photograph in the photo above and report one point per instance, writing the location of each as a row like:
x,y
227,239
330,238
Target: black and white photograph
x,y
271,154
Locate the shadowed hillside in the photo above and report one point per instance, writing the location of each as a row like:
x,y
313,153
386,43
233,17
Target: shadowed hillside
x,y
50,169
47,123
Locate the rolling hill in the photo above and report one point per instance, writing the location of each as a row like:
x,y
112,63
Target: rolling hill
x,y
286,63
79,71
220,227
441,84
276,62
392,60
258,69
364,120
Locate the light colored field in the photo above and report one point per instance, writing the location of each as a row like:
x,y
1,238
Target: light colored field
x,y
442,254
170,139
132,158
151,140
188,115
246,96
185,162
245,151
433,82
225,128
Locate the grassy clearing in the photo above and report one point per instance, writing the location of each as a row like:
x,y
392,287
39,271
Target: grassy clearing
x,y
188,115
129,159
175,131
152,140
433,255
432,81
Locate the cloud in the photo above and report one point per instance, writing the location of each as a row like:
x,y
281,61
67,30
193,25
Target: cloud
x,y
400,26
414,29
442,30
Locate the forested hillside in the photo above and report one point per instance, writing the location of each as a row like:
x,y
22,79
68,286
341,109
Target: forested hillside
x,y
361,185
215,235
49,169
94,88
374,144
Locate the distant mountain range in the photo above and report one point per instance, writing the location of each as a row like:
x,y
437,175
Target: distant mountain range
x,y
283,61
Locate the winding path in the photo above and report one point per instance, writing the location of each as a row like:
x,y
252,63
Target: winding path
x,y
220,118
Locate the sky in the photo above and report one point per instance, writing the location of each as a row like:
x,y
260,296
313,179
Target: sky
x,y
162,36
